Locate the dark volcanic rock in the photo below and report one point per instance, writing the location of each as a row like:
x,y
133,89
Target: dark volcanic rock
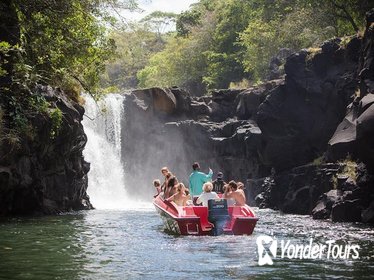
x,y
299,117
346,211
223,104
44,174
276,65
366,65
303,186
183,100
323,208
367,215
355,134
161,100
154,138
248,100
282,125
351,201
296,190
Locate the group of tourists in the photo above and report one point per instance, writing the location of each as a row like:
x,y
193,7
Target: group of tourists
x,y
201,188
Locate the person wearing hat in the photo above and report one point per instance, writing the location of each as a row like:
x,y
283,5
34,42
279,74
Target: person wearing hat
x,y
218,183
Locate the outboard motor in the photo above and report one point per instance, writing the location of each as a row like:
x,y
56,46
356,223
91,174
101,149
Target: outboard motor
x,y
218,214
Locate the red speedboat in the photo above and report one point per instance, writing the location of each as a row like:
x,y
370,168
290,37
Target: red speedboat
x,y
217,218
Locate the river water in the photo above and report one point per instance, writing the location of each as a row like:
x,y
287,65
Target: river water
x,y
124,239
131,244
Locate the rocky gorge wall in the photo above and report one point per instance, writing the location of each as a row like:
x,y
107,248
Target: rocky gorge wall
x,y
42,173
301,142
293,139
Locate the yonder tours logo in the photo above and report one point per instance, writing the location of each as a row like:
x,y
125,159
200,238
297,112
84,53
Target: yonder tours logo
x,y
269,248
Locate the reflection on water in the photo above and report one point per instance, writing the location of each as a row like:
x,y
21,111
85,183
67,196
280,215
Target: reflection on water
x,y
131,244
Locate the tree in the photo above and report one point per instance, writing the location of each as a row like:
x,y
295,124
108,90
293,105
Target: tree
x,y
159,22
296,24
182,63
59,43
245,35
63,43
349,14
133,49
186,21
224,59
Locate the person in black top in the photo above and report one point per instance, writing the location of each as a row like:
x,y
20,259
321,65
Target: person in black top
x,y
219,183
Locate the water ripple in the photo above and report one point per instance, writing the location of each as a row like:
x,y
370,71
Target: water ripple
x,y
131,244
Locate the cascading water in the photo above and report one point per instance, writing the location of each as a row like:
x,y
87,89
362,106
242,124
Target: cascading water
x,y
102,124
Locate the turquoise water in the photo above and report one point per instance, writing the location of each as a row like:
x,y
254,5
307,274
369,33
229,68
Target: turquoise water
x,y
131,244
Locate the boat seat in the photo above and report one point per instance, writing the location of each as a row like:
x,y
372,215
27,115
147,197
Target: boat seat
x,y
202,212
188,211
237,211
241,211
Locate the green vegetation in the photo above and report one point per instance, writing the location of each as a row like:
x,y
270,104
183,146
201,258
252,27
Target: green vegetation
x,y
63,44
318,161
133,51
56,120
77,44
223,42
349,170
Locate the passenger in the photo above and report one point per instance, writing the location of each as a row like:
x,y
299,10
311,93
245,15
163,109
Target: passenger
x,y
157,185
165,184
207,194
219,183
233,192
187,192
197,179
171,187
164,171
230,201
240,186
180,198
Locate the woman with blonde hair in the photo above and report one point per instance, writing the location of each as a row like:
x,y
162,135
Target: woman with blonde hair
x,y
207,194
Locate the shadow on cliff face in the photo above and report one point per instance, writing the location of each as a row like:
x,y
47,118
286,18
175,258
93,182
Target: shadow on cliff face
x,y
282,125
152,141
355,133
166,127
342,189
44,173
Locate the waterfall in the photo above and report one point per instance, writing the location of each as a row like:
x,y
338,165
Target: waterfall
x,y
102,124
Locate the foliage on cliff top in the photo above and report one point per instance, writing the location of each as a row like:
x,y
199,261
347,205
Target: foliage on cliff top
x,y
133,49
244,37
58,43
62,42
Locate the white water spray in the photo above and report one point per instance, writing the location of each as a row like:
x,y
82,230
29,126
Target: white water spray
x,y
102,124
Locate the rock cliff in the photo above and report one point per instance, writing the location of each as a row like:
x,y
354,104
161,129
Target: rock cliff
x,y
293,140
42,172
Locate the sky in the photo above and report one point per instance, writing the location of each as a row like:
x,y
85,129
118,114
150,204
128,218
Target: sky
x,y
150,6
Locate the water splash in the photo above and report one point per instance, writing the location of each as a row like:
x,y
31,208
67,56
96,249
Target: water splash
x,y
102,124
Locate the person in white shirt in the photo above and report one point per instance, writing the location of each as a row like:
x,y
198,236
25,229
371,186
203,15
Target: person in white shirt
x,y
207,194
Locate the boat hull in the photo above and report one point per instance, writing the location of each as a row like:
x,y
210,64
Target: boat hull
x,y
193,220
